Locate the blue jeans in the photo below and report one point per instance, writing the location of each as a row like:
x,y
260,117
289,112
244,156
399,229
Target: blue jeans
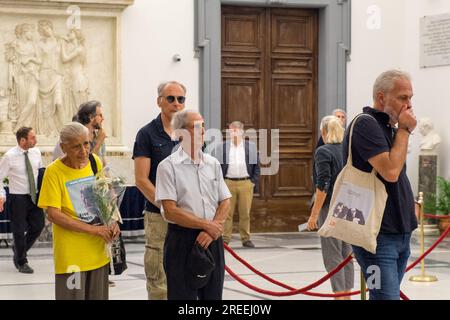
x,y
391,257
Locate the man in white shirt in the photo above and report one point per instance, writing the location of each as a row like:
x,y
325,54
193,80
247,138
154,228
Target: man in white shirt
x,y
21,166
240,166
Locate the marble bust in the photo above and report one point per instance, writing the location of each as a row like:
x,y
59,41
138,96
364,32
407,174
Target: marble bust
x,y
430,139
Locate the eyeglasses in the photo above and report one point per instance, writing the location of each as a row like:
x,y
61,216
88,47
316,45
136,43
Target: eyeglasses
x,y
171,99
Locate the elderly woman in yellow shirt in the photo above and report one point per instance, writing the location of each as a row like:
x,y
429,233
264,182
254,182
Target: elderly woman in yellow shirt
x,y
81,262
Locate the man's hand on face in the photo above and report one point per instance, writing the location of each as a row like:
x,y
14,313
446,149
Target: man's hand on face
x,y
407,119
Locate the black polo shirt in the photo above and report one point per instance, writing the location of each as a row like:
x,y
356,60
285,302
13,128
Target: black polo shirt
x,y
372,136
154,143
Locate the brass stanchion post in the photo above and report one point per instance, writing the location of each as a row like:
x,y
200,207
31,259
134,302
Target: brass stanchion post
x,y
363,287
422,277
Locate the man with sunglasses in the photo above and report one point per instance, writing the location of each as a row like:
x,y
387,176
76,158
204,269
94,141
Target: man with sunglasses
x,y
153,144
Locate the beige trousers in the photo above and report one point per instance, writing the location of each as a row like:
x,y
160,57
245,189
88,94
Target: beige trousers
x,y
155,235
241,197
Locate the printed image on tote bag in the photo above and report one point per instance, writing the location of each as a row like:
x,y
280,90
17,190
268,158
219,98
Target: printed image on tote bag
x,y
353,203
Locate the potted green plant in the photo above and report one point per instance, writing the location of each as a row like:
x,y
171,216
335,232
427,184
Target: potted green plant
x,y
443,203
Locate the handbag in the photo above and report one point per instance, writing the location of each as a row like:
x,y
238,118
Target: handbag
x,y
118,263
357,205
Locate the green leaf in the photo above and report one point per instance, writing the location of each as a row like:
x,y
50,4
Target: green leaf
x,y
443,196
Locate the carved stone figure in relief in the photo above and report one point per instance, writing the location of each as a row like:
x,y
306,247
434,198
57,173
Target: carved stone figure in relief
x,y
24,62
76,81
51,115
47,80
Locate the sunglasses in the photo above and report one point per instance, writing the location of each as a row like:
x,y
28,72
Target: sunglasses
x,y
171,99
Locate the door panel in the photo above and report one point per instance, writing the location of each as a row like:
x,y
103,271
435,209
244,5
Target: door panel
x,y
269,81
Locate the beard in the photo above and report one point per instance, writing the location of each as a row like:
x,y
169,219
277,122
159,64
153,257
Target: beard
x,y
393,116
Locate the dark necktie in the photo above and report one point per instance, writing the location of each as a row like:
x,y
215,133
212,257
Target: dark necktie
x,y
30,175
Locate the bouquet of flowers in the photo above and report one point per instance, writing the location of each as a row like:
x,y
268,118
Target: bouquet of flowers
x,y
102,199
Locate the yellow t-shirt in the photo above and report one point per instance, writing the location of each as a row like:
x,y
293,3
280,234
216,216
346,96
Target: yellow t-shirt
x,y
61,188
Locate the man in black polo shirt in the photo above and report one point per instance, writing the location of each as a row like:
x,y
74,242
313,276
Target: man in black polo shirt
x,y
153,144
376,143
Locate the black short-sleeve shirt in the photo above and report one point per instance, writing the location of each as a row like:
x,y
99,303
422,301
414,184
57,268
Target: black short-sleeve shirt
x,y
154,143
373,135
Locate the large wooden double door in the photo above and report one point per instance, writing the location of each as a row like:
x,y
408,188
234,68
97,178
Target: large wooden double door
x,y
269,81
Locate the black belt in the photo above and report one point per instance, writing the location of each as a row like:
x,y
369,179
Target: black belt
x,y
238,179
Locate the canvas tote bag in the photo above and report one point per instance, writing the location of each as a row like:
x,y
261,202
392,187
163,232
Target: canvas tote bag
x,y
357,205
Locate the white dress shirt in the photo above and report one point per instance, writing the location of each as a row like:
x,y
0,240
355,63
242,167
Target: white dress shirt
x,y
12,165
237,167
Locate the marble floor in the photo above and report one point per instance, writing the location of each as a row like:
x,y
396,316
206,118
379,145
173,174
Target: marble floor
x,y
292,258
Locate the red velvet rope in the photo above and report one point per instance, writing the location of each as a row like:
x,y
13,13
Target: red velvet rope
x,y
293,291
307,288
432,216
285,293
439,240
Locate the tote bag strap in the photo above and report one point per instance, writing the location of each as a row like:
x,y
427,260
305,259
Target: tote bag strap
x,y
350,157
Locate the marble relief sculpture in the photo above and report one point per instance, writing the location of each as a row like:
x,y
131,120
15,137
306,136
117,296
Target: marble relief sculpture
x,y
74,56
24,63
46,77
50,116
431,139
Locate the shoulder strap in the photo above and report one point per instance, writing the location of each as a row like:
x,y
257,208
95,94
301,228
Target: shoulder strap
x,y
350,158
93,164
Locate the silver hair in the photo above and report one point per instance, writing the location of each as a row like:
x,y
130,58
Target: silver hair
x,y
338,110
237,124
385,81
180,119
71,131
163,85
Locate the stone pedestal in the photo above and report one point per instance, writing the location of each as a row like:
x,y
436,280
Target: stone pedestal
x,y
427,184
427,173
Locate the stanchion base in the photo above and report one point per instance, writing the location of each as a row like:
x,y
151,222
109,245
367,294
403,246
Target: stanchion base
x,y
423,278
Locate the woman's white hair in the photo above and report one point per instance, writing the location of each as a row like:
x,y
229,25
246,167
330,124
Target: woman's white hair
x,y
385,81
71,131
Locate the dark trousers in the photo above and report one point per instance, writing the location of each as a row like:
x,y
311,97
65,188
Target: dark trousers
x,y
27,222
177,247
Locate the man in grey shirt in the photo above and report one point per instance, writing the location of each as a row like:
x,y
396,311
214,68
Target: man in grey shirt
x,y
195,201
